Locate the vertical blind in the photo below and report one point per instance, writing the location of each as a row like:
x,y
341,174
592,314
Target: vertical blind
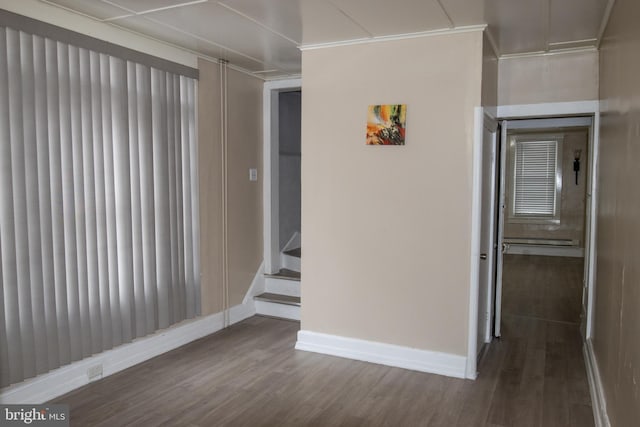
x,y
98,203
535,172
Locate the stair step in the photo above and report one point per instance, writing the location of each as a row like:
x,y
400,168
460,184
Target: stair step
x,y
278,298
295,252
285,274
282,286
278,305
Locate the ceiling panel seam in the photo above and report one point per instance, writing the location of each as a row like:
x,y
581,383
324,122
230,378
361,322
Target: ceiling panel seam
x,y
351,18
255,21
444,10
211,42
547,24
68,9
186,49
605,22
158,9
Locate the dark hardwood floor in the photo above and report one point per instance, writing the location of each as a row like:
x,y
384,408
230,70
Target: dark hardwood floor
x,y
544,287
250,375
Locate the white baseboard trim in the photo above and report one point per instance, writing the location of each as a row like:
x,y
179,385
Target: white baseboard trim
x,y
545,250
451,365
598,400
67,378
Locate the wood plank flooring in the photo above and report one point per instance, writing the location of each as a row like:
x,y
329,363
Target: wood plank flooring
x,y
250,375
544,287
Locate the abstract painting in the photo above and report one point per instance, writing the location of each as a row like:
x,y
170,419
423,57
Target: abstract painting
x,y
386,124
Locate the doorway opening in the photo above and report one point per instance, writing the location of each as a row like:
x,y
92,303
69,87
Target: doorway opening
x,y
282,200
544,222
543,227
282,183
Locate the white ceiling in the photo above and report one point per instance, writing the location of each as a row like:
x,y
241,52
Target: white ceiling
x,y
264,36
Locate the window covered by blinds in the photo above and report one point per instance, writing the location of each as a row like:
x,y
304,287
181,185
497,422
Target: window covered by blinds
x,y
98,203
535,178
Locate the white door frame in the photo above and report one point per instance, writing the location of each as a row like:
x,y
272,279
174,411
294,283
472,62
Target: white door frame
x,y
568,109
500,194
492,126
270,157
520,112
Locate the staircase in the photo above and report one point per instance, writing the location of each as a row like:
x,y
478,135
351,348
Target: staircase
x,y
282,290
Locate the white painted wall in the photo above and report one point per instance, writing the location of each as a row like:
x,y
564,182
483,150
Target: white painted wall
x,y
386,229
561,77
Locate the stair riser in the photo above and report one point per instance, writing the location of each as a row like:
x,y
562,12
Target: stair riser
x,y
275,309
290,262
282,286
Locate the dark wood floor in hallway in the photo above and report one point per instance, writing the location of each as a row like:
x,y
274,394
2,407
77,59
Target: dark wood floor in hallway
x,y
250,375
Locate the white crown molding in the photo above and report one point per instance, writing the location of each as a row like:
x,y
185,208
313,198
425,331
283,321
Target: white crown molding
x,y
553,52
440,32
451,365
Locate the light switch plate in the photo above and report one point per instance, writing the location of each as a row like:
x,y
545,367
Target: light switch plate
x,y
253,174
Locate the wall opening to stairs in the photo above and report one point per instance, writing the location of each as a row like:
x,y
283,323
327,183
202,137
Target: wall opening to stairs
x,y
282,200
289,123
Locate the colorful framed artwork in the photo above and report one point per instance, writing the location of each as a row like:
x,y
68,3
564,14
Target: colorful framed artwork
x,y
386,124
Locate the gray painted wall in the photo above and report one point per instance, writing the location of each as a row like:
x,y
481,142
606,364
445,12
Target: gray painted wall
x,y
289,129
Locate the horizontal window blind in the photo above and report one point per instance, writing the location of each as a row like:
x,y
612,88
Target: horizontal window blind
x,y
98,203
535,172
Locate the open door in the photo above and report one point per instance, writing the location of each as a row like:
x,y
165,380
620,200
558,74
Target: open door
x,y
500,234
488,225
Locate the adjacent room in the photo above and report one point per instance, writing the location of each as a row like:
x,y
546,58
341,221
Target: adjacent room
x,y
319,212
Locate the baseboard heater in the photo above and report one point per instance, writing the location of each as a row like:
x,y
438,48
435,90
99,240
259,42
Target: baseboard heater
x,y
545,247
546,242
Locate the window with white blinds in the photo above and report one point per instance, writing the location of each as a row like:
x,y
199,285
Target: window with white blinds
x,y
536,176
98,202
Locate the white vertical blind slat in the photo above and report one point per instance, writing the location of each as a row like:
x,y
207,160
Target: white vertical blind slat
x,y
195,192
122,188
21,229
136,218
171,165
112,284
147,201
44,190
187,202
57,211
104,308
93,327
177,120
32,199
67,111
13,331
161,199
98,211
79,201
